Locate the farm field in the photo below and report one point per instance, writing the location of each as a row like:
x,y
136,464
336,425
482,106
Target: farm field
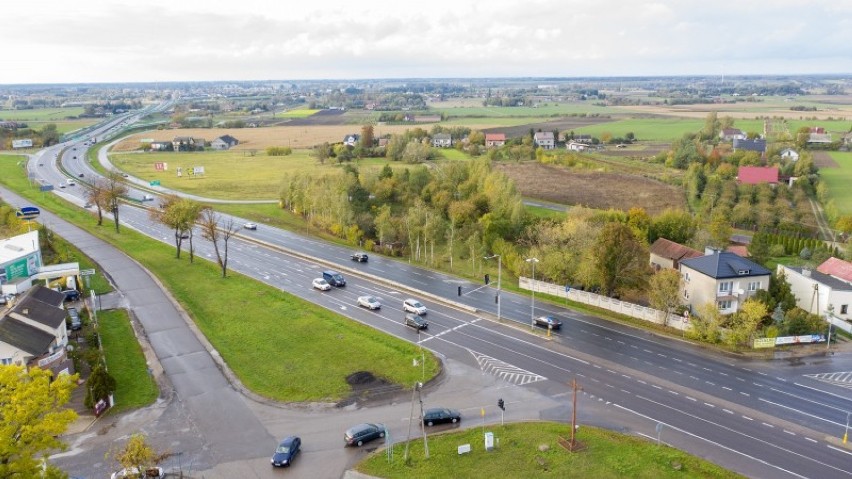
x,y
838,181
769,106
40,114
646,129
593,189
544,110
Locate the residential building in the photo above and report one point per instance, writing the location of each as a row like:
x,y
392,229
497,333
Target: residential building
x,y
495,139
20,259
837,268
721,278
161,146
442,140
576,146
789,154
224,142
544,140
753,175
758,145
33,331
187,143
731,134
816,292
351,140
667,254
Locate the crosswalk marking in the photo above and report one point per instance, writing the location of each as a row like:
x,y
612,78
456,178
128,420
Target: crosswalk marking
x,y
505,371
842,379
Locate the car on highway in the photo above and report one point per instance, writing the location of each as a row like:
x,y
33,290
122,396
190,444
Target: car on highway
x,y
321,284
250,226
286,451
548,322
72,182
360,257
366,432
411,305
125,175
76,322
81,175
439,415
415,321
334,278
62,185
369,302
147,198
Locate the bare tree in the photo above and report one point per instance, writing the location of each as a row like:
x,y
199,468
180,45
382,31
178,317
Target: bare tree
x,y
214,232
96,195
115,188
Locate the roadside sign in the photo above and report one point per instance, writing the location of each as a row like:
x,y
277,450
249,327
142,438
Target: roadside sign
x,y
87,272
27,212
44,188
154,183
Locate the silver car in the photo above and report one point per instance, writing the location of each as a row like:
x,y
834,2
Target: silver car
x,y
411,305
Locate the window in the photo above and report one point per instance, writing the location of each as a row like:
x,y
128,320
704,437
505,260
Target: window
x,y
723,305
844,308
754,286
726,287
6,361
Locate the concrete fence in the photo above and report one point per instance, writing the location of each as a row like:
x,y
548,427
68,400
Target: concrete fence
x,y
604,302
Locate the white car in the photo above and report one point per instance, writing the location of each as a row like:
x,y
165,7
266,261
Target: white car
x,y
369,302
250,226
71,182
321,284
411,305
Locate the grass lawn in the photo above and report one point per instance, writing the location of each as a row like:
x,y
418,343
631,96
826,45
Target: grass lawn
x,y
134,386
40,114
607,455
250,323
838,181
551,109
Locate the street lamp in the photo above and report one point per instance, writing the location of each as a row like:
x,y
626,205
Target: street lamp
x,y
499,273
532,304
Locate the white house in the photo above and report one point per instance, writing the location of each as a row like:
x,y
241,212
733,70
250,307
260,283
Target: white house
x,y
33,331
224,142
815,292
576,146
544,140
789,154
442,140
722,278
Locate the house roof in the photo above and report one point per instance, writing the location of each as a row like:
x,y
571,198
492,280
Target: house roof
x,y
738,250
227,139
47,296
543,135
731,131
442,136
35,310
750,145
724,264
25,337
18,246
752,175
837,268
495,137
825,279
674,251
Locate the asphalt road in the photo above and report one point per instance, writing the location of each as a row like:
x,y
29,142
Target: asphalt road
x,y
762,419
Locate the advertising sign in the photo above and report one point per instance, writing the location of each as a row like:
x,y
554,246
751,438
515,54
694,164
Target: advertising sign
x,y
764,343
27,143
27,212
17,269
198,170
161,166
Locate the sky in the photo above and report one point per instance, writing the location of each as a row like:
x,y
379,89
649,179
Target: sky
x,y
99,41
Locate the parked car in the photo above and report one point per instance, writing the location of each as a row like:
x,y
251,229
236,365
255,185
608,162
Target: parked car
x,y
440,415
358,435
411,305
132,472
71,294
360,257
321,284
369,302
286,451
76,322
250,226
334,278
416,321
548,322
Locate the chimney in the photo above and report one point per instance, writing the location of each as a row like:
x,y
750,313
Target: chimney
x,y
710,250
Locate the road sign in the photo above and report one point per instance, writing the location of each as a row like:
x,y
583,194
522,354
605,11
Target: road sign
x,y
154,183
44,188
87,272
27,212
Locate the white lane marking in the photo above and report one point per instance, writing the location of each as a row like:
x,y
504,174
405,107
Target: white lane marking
x,y
801,412
727,388
811,440
708,404
789,432
748,418
840,450
768,425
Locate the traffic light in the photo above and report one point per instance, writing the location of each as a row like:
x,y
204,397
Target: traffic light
x,y
459,290
501,404
487,278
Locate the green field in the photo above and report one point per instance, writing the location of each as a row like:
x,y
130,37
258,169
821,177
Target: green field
x,y
296,113
607,454
274,342
125,361
548,110
41,114
645,129
838,181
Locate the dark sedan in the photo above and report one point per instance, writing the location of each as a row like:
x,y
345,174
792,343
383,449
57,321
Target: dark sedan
x,y
440,415
358,435
416,322
286,451
360,257
548,322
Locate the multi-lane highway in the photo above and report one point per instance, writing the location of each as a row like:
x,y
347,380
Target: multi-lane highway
x,y
765,419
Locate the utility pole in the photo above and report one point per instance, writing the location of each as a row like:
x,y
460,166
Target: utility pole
x,y
422,425
410,414
499,276
574,388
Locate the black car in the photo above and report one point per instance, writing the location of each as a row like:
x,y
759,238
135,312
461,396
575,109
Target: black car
x,y
548,322
360,257
440,415
358,435
286,451
71,294
416,321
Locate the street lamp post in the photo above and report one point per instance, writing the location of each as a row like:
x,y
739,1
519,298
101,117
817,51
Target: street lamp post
x,y
499,275
532,287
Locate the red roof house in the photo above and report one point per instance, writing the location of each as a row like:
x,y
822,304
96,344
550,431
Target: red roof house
x,y
838,268
495,139
753,175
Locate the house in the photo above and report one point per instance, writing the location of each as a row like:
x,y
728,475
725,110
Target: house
x,y
837,268
667,254
161,146
753,175
789,154
224,142
819,138
721,278
731,134
33,331
587,139
544,140
847,139
351,140
576,146
187,143
20,259
442,140
816,292
758,145
495,139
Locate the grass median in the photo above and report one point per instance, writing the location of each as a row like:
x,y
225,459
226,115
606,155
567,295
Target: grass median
x,y
280,346
125,361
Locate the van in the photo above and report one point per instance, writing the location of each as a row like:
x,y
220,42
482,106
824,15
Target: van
x,y
333,278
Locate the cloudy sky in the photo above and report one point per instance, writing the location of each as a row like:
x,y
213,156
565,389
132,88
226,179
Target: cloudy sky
x,y
71,41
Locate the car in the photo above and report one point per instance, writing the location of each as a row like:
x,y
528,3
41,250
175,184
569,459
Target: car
x,y
76,322
358,435
369,302
286,451
321,284
132,472
81,175
75,157
411,305
548,322
438,415
71,294
125,175
250,226
334,278
184,235
360,257
416,322
71,182
62,185
147,198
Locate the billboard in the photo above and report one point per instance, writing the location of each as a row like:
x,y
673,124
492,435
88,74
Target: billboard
x,y
27,143
161,166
